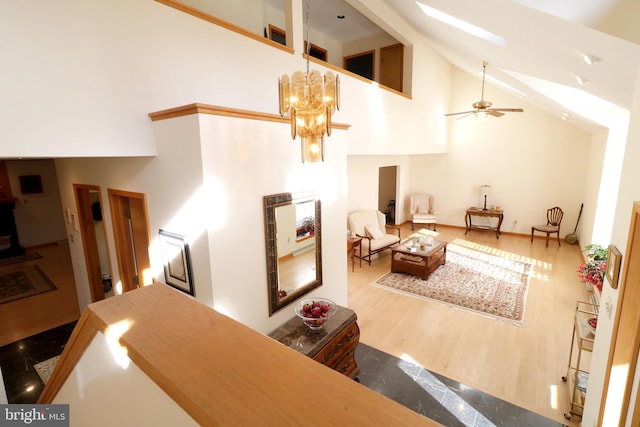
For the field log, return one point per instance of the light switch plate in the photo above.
(608, 306)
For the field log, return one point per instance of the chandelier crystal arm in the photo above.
(309, 99)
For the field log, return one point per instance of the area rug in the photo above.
(45, 369)
(19, 258)
(22, 282)
(484, 284)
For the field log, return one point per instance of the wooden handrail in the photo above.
(222, 23)
(198, 108)
(221, 372)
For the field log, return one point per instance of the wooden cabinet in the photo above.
(333, 346)
(577, 376)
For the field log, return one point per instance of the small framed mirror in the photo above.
(293, 247)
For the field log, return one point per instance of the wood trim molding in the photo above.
(81, 337)
(212, 365)
(222, 23)
(355, 76)
(625, 338)
(216, 110)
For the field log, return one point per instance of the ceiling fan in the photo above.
(482, 107)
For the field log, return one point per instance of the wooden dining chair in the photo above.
(554, 218)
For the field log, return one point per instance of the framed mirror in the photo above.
(293, 247)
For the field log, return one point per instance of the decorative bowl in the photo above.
(315, 312)
(592, 324)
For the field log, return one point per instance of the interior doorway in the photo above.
(387, 184)
(392, 67)
(94, 242)
(131, 236)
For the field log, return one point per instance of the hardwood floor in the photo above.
(522, 365)
(29, 316)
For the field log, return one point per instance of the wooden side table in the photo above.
(333, 346)
(353, 244)
(489, 213)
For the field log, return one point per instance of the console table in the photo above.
(489, 213)
(333, 346)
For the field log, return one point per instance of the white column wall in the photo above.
(247, 160)
(629, 192)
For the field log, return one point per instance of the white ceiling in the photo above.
(544, 40)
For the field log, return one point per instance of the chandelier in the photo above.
(309, 99)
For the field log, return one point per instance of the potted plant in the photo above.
(591, 273)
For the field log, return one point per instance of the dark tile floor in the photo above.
(448, 402)
(443, 400)
(21, 381)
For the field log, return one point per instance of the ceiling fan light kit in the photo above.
(483, 108)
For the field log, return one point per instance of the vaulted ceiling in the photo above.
(541, 55)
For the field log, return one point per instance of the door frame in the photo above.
(132, 244)
(385, 65)
(625, 339)
(81, 193)
(381, 181)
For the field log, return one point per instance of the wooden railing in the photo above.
(221, 372)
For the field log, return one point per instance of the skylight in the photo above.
(462, 25)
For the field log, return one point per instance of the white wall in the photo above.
(385, 123)
(207, 184)
(529, 170)
(532, 160)
(171, 182)
(248, 160)
(363, 181)
(629, 192)
(236, 12)
(91, 97)
(592, 189)
(39, 217)
(106, 389)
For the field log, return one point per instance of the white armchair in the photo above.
(421, 210)
(376, 234)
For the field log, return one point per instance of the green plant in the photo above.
(596, 252)
(593, 270)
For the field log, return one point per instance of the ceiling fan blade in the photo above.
(462, 112)
(495, 113)
(470, 113)
(508, 110)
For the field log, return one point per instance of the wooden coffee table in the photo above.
(421, 262)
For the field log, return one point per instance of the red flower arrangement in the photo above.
(592, 272)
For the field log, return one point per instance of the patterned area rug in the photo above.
(45, 369)
(22, 282)
(481, 283)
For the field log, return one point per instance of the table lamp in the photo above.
(485, 189)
